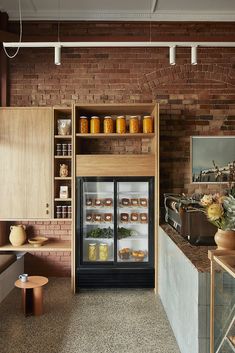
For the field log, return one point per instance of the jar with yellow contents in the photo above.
(121, 125)
(134, 124)
(108, 125)
(95, 125)
(83, 125)
(92, 252)
(147, 124)
(103, 252)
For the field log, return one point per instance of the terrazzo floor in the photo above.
(99, 321)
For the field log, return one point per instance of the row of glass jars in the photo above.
(103, 252)
(121, 126)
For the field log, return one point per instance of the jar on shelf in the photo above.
(103, 252)
(95, 125)
(83, 125)
(134, 124)
(147, 124)
(92, 252)
(108, 125)
(121, 125)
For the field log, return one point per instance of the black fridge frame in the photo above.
(79, 263)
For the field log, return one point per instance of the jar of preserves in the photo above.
(147, 124)
(83, 125)
(108, 125)
(103, 252)
(92, 252)
(121, 125)
(134, 124)
(95, 125)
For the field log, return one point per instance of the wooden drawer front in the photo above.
(115, 165)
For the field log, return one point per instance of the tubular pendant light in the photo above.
(58, 55)
(194, 55)
(172, 55)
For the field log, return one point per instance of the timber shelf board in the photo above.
(63, 200)
(115, 135)
(53, 245)
(61, 178)
(63, 137)
(62, 157)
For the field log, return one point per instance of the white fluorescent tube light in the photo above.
(114, 44)
(58, 55)
(194, 55)
(172, 55)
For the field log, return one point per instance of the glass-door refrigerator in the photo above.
(115, 232)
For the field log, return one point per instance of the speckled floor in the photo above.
(103, 321)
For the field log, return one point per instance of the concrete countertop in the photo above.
(198, 255)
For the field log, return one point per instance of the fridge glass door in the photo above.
(98, 221)
(132, 221)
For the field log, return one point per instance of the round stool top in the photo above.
(33, 282)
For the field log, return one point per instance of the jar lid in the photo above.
(133, 117)
(121, 117)
(107, 117)
(95, 117)
(147, 116)
(92, 244)
(103, 244)
(83, 117)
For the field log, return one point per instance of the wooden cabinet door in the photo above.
(25, 157)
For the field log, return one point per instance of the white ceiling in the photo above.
(129, 10)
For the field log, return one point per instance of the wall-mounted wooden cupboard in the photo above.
(25, 155)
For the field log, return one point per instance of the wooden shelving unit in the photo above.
(104, 163)
(59, 159)
(49, 246)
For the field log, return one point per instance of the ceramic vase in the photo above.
(17, 235)
(225, 239)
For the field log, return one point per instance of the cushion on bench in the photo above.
(6, 260)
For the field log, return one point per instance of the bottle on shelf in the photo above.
(108, 125)
(134, 124)
(121, 125)
(95, 125)
(147, 124)
(83, 125)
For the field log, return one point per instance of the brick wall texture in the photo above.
(48, 263)
(194, 100)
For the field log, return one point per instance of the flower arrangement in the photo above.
(220, 210)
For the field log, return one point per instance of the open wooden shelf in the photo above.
(63, 178)
(48, 246)
(58, 199)
(62, 157)
(115, 135)
(63, 136)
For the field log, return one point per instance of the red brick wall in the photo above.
(48, 263)
(194, 100)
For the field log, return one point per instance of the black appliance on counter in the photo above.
(186, 216)
(114, 232)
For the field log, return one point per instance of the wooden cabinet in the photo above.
(25, 155)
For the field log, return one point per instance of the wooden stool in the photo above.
(32, 295)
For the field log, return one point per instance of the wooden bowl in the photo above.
(37, 241)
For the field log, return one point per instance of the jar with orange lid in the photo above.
(83, 125)
(134, 124)
(108, 125)
(95, 125)
(121, 125)
(147, 124)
